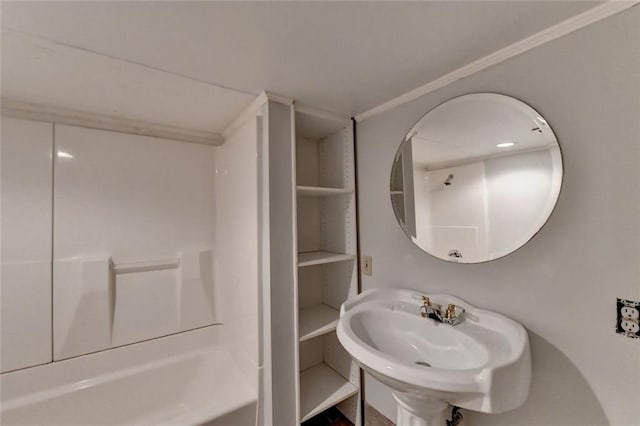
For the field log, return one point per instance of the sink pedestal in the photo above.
(414, 411)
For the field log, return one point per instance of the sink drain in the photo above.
(423, 363)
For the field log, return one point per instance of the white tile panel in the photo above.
(129, 201)
(25, 286)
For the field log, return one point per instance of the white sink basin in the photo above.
(481, 364)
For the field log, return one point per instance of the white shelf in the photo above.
(321, 388)
(322, 257)
(320, 191)
(317, 320)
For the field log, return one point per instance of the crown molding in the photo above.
(38, 112)
(561, 29)
(278, 98)
(253, 110)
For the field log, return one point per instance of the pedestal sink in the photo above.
(481, 364)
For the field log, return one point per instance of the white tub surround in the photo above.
(187, 378)
(26, 243)
(134, 227)
(155, 321)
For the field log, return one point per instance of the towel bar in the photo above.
(152, 265)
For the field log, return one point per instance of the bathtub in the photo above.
(186, 379)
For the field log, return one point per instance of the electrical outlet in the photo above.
(628, 315)
(367, 265)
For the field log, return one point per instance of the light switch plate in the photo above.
(367, 265)
(628, 317)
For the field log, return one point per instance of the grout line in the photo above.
(139, 341)
(57, 361)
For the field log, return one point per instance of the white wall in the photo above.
(562, 285)
(520, 196)
(491, 207)
(452, 217)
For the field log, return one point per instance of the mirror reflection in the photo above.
(476, 178)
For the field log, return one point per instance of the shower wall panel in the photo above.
(134, 221)
(25, 284)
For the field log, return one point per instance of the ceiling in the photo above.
(197, 64)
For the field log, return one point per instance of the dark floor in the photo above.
(330, 417)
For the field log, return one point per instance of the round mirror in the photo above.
(476, 178)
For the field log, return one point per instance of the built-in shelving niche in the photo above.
(321, 291)
(327, 274)
(328, 377)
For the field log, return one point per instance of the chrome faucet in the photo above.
(453, 315)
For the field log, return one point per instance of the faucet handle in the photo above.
(426, 300)
(454, 314)
(451, 311)
(425, 309)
